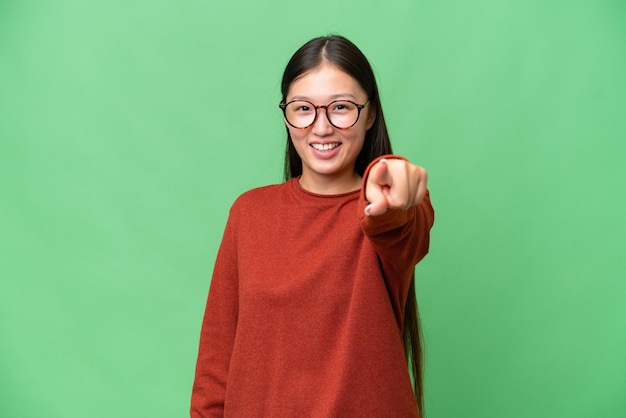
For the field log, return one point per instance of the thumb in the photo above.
(378, 207)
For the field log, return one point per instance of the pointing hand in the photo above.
(394, 184)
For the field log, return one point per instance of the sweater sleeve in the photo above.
(218, 332)
(400, 238)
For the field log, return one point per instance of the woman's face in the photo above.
(329, 154)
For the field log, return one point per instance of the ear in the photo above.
(371, 116)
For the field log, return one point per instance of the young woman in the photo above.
(311, 310)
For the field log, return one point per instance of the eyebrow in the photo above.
(332, 98)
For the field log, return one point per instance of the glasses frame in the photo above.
(359, 107)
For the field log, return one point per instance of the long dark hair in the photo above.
(343, 54)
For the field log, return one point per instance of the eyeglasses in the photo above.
(342, 114)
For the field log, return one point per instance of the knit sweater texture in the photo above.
(305, 308)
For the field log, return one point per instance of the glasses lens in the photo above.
(343, 114)
(300, 113)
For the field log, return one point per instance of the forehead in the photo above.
(325, 82)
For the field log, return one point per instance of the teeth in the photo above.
(325, 147)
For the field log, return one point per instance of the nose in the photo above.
(321, 124)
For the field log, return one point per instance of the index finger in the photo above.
(379, 174)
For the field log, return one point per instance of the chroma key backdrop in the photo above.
(128, 128)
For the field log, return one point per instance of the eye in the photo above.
(342, 107)
(300, 107)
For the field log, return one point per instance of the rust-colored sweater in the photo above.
(304, 314)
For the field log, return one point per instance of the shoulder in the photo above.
(258, 197)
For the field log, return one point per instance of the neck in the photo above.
(321, 184)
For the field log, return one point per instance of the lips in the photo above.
(326, 147)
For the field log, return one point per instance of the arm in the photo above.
(217, 334)
(396, 216)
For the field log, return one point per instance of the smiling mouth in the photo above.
(326, 147)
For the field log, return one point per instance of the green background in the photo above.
(127, 129)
